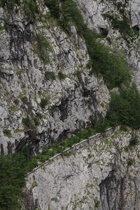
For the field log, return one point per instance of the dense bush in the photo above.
(44, 102)
(7, 133)
(134, 140)
(122, 25)
(27, 122)
(49, 75)
(42, 46)
(30, 7)
(61, 75)
(13, 168)
(12, 173)
(125, 107)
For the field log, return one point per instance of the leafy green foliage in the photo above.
(30, 7)
(13, 168)
(9, 3)
(7, 132)
(103, 60)
(44, 102)
(36, 121)
(12, 173)
(122, 25)
(133, 141)
(49, 75)
(42, 46)
(124, 108)
(130, 161)
(61, 75)
(27, 122)
(16, 101)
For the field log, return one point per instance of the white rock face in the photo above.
(72, 101)
(102, 173)
(93, 13)
(30, 50)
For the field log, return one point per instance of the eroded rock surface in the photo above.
(101, 173)
(47, 91)
(41, 64)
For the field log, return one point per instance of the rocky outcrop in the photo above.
(95, 13)
(100, 173)
(47, 92)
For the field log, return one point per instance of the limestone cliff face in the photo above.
(100, 173)
(47, 91)
(95, 12)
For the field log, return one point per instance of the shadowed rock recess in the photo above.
(66, 66)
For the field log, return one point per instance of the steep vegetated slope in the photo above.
(65, 66)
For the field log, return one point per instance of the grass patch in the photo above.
(111, 64)
(42, 46)
(44, 102)
(27, 122)
(130, 161)
(61, 75)
(49, 75)
(125, 108)
(134, 141)
(7, 133)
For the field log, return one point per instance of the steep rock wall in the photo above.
(40, 63)
(95, 13)
(47, 91)
(100, 173)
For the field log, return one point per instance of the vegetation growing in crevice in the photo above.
(13, 168)
(122, 24)
(44, 102)
(61, 75)
(27, 122)
(29, 7)
(134, 140)
(109, 63)
(42, 46)
(124, 106)
(7, 133)
(49, 75)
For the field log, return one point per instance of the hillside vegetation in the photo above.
(109, 63)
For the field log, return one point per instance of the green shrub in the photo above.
(44, 102)
(36, 121)
(49, 75)
(61, 75)
(16, 101)
(42, 46)
(39, 115)
(27, 122)
(124, 108)
(134, 140)
(103, 60)
(122, 25)
(130, 161)
(7, 133)
(24, 99)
